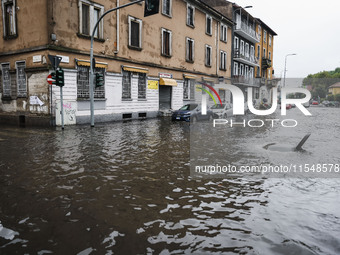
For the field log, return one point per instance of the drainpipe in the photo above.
(117, 30)
(217, 45)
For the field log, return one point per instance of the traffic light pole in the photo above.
(91, 57)
(61, 98)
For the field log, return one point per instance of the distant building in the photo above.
(334, 89)
(253, 51)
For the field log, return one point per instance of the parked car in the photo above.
(191, 111)
(326, 103)
(315, 102)
(306, 104)
(222, 111)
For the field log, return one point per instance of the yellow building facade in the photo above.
(264, 50)
(334, 89)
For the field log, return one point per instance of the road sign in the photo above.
(55, 61)
(49, 79)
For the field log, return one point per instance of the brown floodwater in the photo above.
(125, 188)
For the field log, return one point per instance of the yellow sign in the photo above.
(152, 84)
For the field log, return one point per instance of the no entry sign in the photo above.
(49, 79)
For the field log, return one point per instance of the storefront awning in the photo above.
(135, 69)
(167, 82)
(189, 76)
(208, 79)
(81, 62)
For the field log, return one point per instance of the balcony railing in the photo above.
(248, 57)
(242, 80)
(266, 63)
(244, 27)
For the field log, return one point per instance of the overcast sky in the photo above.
(309, 28)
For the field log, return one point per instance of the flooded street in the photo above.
(125, 188)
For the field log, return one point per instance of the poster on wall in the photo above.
(152, 84)
(70, 110)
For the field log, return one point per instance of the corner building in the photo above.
(150, 64)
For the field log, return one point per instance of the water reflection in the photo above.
(125, 188)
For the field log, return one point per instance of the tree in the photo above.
(330, 98)
(321, 81)
(337, 97)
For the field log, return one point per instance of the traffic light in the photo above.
(60, 77)
(99, 80)
(54, 78)
(151, 7)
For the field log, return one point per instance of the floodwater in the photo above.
(125, 188)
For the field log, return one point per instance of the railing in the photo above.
(240, 79)
(266, 63)
(250, 58)
(248, 30)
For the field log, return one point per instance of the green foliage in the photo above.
(330, 98)
(321, 81)
(337, 97)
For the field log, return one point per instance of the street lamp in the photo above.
(233, 39)
(284, 77)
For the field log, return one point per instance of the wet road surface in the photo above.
(125, 188)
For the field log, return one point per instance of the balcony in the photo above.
(247, 32)
(247, 59)
(266, 63)
(245, 81)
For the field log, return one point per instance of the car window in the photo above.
(188, 107)
(217, 106)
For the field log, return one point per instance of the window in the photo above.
(190, 15)
(264, 53)
(257, 93)
(6, 81)
(142, 85)
(236, 42)
(258, 51)
(208, 22)
(235, 68)
(242, 47)
(251, 72)
(89, 14)
(224, 32)
(223, 60)
(270, 40)
(83, 86)
(189, 89)
(190, 47)
(269, 55)
(247, 50)
(21, 79)
(166, 42)
(9, 18)
(126, 89)
(264, 35)
(166, 7)
(252, 53)
(241, 69)
(246, 72)
(208, 51)
(259, 31)
(135, 33)
(258, 74)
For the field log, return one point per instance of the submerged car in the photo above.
(191, 111)
(222, 111)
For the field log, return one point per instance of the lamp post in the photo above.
(284, 77)
(233, 38)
